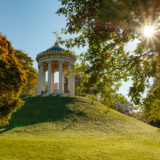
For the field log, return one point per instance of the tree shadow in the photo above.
(43, 109)
(155, 124)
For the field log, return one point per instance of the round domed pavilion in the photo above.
(55, 59)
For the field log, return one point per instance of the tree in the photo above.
(155, 83)
(123, 105)
(12, 80)
(32, 76)
(151, 104)
(106, 26)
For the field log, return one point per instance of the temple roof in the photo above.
(54, 51)
(54, 48)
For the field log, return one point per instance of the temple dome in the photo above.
(55, 51)
(54, 48)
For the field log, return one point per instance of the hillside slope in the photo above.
(54, 113)
(70, 128)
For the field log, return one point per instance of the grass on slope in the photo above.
(70, 128)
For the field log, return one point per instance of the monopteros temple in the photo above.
(55, 59)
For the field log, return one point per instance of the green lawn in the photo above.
(70, 128)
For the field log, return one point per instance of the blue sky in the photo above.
(29, 25)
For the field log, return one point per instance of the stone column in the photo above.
(40, 74)
(73, 83)
(63, 81)
(69, 79)
(52, 81)
(44, 81)
(49, 77)
(60, 75)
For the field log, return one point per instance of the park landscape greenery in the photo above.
(18, 79)
(106, 26)
(62, 127)
(31, 74)
(12, 79)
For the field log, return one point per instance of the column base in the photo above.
(58, 93)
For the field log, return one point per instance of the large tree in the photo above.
(12, 80)
(30, 87)
(151, 104)
(106, 26)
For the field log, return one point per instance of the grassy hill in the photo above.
(70, 128)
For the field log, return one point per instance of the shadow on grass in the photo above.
(43, 109)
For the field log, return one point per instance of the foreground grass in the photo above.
(70, 128)
(79, 147)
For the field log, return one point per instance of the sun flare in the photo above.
(148, 31)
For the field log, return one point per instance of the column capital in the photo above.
(49, 61)
(40, 64)
(69, 66)
(60, 61)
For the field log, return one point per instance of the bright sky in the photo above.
(29, 25)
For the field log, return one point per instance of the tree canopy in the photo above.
(12, 80)
(106, 26)
(30, 87)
